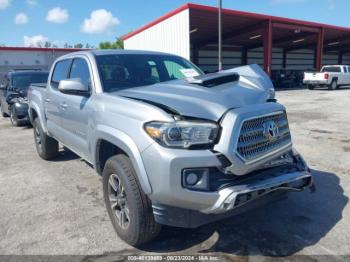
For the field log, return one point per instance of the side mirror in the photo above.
(73, 86)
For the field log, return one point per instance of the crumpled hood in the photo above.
(253, 87)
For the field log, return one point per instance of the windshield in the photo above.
(22, 81)
(127, 71)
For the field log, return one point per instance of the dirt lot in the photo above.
(57, 207)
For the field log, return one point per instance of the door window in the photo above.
(80, 70)
(60, 72)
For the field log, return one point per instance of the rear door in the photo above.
(78, 110)
(54, 99)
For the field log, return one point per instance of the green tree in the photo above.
(118, 44)
(80, 45)
(105, 45)
(47, 44)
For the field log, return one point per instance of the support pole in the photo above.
(195, 55)
(268, 47)
(220, 36)
(319, 49)
(340, 58)
(244, 56)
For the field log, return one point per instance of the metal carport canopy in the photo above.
(250, 30)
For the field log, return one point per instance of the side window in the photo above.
(80, 70)
(60, 72)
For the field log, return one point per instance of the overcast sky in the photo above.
(25, 22)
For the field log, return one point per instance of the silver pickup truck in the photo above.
(174, 146)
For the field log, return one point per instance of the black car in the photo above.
(13, 94)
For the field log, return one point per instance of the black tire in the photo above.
(13, 117)
(333, 85)
(47, 147)
(129, 201)
(2, 113)
(310, 87)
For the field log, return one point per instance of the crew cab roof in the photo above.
(113, 52)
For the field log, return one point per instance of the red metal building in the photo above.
(273, 42)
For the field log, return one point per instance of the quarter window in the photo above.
(80, 70)
(60, 72)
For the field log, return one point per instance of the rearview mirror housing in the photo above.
(73, 86)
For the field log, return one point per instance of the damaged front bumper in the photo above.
(293, 175)
(252, 189)
(264, 188)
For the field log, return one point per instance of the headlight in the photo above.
(182, 134)
(271, 94)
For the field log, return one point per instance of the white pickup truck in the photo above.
(331, 76)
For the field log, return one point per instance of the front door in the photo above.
(77, 110)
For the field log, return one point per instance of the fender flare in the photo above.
(125, 143)
(36, 108)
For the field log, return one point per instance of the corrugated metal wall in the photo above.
(11, 60)
(346, 59)
(171, 36)
(302, 59)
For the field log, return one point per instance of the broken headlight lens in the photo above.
(182, 134)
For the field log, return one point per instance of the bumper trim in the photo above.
(239, 195)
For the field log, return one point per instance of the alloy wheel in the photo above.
(118, 201)
(37, 136)
(13, 119)
(334, 85)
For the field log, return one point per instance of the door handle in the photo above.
(64, 105)
(47, 100)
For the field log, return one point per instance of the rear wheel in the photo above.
(333, 85)
(310, 87)
(47, 147)
(129, 209)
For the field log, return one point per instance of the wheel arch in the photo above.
(109, 142)
(34, 112)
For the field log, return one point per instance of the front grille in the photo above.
(253, 142)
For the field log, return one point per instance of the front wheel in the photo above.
(129, 209)
(46, 146)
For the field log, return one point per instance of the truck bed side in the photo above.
(36, 102)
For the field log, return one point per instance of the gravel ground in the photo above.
(56, 207)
